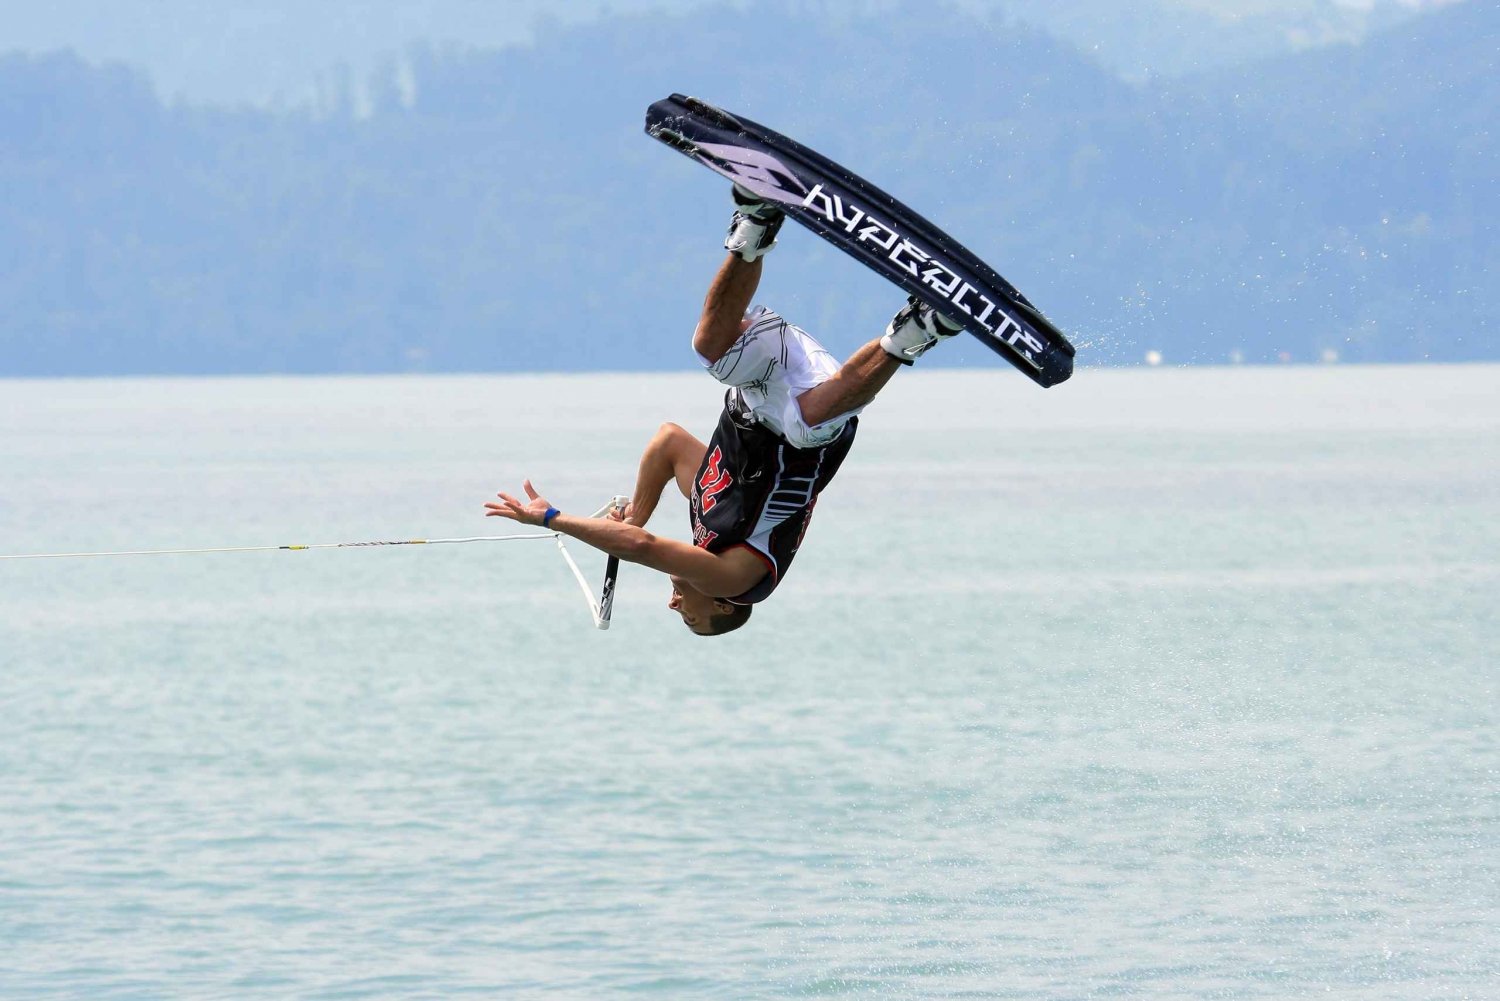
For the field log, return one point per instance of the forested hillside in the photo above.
(503, 210)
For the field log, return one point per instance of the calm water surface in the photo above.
(1160, 684)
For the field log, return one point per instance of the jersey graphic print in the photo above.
(755, 490)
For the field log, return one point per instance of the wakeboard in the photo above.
(869, 225)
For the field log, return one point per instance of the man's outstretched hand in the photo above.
(530, 513)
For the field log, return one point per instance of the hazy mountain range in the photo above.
(286, 52)
(501, 210)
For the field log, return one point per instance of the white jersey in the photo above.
(771, 364)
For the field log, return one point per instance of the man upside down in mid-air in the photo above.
(790, 416)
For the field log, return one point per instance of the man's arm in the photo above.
(728, 573)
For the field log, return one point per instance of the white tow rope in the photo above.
(599, 608)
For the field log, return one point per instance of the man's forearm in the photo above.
(617, 538)
(637, 545)
(706, 571)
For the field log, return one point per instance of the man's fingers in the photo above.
(510, 507)
(507, 507)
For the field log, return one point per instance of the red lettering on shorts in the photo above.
(714, 481)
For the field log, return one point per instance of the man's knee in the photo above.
(815, 427)
(677, 443)
(712, 340)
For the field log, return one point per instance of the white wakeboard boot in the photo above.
(915, 329)
(752, 231)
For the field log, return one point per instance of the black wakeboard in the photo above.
(870, 226)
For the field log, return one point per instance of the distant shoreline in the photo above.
(1083, 371)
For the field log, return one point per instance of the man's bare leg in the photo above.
(855, 384)
(673, 454)
(912, 331)
(724, 307)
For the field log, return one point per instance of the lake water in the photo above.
(1160, 684)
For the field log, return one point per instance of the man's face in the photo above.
(695, 607)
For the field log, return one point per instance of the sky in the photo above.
(283, 52)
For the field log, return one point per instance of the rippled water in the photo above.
(1168, 684)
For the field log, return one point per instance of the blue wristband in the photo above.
(552, 512)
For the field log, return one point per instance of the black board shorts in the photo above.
(755, 489)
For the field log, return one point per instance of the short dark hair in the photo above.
(728, 622)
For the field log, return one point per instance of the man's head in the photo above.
(704, 614)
